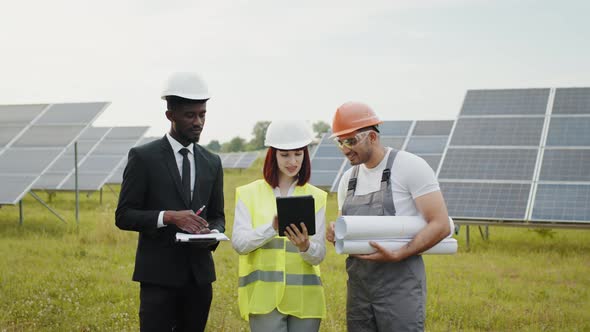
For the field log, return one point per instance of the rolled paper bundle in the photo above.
(447, 246)
(380, 227)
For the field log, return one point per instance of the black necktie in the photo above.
(186, 173)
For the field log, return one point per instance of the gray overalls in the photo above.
(382, 296)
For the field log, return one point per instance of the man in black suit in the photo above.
(164, 182)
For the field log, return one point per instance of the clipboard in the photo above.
(294, 210)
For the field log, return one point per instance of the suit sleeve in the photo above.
(131, 214)
(215, 213)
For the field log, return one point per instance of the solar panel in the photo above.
(427, 144)
(572, 101)
(247, 160)
(489, 164)
(64, 165)
(49, 136)
(566, 165)
(520, 155)
(101, 162)
(395, 128)
(504, 201)
(499, 132)
(562, 202)
(117, 176)
(239, 160)
(570, 131)
(433, 128)
(8, 133)
(44, 138)
(19, 114)
(505, 102)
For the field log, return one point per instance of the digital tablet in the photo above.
(294, 210)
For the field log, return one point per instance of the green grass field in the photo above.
(58, 277)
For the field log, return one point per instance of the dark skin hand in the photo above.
(187, 220)
(300, 239)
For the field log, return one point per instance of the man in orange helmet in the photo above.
(386, 289)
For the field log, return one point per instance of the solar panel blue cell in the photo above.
(569, 132)
(48, 136)
(118, 147)
(126, 133)
(562, 202)
(433, 128)
(565, 165)
(427, 144)
(19, 114)
(100, 164)
(326, 164)
(489, 164)
(393, 142)
(27, 161)
(572, 101)
(86, 182)
(14, 187)
(395, 128)
(328, 151)
(8, 133)
(503, 201)
(499, 102)
(322, 178)
(75, 113)
(494, 131)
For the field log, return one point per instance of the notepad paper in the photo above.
(183, 237)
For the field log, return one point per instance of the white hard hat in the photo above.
(287, 135)
(186, 85)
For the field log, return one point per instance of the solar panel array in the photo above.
(238, 160)
(100, 151)
(117, 176)
(426, 139)
(32, 137)
(520, 155)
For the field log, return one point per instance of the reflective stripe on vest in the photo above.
(277, 276)
(274, 276)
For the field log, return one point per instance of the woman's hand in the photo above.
(275, 223)
(299, 239)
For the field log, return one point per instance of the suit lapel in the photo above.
(200, 171)
(170, 161)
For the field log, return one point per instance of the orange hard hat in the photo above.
(353, 116)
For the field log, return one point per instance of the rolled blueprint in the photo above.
(380, 227)
(445, 247)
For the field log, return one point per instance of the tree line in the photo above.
(238, 143)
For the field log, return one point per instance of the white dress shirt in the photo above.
(176, 147)
(245, 238)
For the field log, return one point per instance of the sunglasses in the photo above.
(352, 141)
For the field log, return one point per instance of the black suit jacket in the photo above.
(151, 183)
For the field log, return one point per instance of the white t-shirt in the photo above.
(411, 177)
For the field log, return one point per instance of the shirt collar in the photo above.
(176, 146)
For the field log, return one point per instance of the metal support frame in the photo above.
(486, 223)
(76, 183)
(45, 205)
(20, 212)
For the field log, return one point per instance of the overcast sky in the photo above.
(271, 59)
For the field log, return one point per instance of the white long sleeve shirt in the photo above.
(245, 238)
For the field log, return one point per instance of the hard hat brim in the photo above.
(188, 96)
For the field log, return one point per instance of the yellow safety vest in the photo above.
(275, 275)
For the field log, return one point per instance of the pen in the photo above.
(200, 210)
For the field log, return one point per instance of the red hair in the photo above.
(271, 168)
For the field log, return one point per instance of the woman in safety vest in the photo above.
(279, 286)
